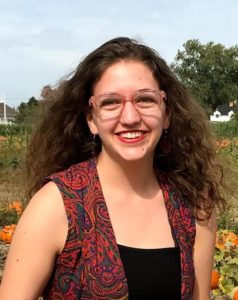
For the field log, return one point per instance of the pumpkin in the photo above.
(215, 279)
(235, 295)
(17, 206)
(7, 232)
(226, 236)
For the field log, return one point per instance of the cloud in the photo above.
(40, 41)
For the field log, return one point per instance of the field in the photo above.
(12, 181)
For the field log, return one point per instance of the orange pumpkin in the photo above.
(214, 279)
(6, 236)
(235, 296)
(232, 237)
(226, 236)
(6, 233)
(17, 206)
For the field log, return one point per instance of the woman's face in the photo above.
(130, 135)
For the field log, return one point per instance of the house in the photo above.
(9, 116)
(224, 112)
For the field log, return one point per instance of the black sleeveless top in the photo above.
(152, 273)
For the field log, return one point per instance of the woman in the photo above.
(129, 210)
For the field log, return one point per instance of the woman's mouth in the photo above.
(131, 136)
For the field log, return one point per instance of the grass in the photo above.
(11, 189)
(229, 218)
(11, 185)
(12, 178)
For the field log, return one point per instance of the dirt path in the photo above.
(3, 254)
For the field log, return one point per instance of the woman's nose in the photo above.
(129, 114)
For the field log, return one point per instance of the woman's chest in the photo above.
(141, 223)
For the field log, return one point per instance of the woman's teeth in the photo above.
(131, 135)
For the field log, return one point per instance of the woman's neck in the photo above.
(130, 176)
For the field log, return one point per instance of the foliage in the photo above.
(226, 263)
(210, 71)
(12, 150)
(227, 147)
(11, 213)
(225, 129)
(12, 130)
(27, 112)
(227, 220)
(235, 118)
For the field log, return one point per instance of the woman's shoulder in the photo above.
(78, 174)
(45, 211)
(77, 169)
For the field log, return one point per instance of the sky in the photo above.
(42, 41)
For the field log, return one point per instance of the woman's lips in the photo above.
(131, 136)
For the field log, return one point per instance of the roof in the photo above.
(9, 111)
(224, 109)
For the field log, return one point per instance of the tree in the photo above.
(47, 93)
(235, 117)
(27, 111)
(210, 71)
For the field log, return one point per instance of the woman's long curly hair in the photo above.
(63, 136)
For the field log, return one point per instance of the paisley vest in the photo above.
(90, 267)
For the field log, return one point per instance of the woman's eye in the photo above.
(145, 100)
(109, 102)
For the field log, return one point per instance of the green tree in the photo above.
(235, 118)
(210, 71)
(27, 112)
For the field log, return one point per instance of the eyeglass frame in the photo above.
(128, 98)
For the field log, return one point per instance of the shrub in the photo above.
(225, 129)
(226, 263)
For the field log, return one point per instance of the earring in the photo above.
(94, 145)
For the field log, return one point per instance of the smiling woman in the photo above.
(131, 121)
(123, 166)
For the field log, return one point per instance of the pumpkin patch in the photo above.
(12, 212)
(17, 206)
(6, 233)
(225, 274)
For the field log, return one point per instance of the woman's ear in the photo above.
(91, 123)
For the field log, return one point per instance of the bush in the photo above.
(225, 129)
(12, 150)
(12, 130)
(226, 263)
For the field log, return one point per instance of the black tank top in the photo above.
(152, 273)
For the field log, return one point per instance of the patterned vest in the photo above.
(89, 266)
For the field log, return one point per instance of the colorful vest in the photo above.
(89, 266)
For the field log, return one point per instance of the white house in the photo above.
(224, 112)
(10, 116)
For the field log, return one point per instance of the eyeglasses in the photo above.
(111, 105)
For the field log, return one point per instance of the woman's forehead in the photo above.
(126, 75)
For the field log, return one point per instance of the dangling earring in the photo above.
(94, 145)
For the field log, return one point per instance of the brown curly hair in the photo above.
(63, 137)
